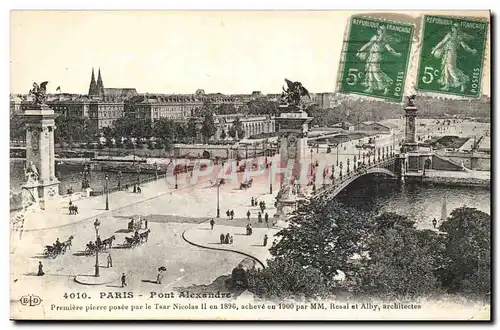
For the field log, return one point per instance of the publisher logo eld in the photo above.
(30, 300)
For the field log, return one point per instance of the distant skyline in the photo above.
(178, 52)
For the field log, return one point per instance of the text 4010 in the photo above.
(75, 295)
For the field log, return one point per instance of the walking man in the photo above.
(212, 223)
(260, 217)
(248, 215)
(434, 223)
(265, 240)
(232, 214)
(124, 280)
(228, 214)
(110, 261)
(145, 223)
(266, 218)
(221, 237)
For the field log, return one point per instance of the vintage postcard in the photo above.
(250, 165)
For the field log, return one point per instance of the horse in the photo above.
(108, 242)
(67, 244)
(144, 236)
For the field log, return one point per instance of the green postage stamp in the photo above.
(452, 55)
(376, 58)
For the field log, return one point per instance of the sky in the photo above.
(179, 52)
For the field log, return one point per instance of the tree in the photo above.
(226, 109)
(208, 127)
(17, 127)
(192, 129)
(402, 261)
(232, 131)
(238, 126)
(468, 248)
(262, 106)
(223, 134)
(324, 235)
(287, 278)
(180, 131)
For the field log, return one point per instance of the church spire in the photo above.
(100, 85)
(93, 86)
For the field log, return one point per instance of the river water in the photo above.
(419, 202)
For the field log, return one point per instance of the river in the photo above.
(419, 202)
(71, 178)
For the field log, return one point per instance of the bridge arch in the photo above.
(331, 193)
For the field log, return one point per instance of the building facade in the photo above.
(252, 125)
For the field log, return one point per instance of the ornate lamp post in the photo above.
(119, 180)
(378, 154)
(107, 192)
(85, 182)
(317, 148)
(333, 174)
(348, 169)
(246, 152)
(354, 166)
(363, 158)
(312, 169)
(218, 208)
(369, 160)
(138, 179)
(337, 147)
(176, 186)
(96, 226)
(340, 175)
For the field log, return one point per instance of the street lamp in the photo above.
(176, 186)
(107, 192)
(246, 152)
(337, 147)
(119, 180)
(312, 170)
(218, 208)
(96, 226)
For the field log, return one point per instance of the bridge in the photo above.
(385, 161)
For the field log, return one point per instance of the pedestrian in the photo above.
(212, 223)
(248, 215)
(434, 223)
(124, 280)
(266, 219)
(221, 237)
(252, 200)
(232, 214)
(159, 277)
(145, 223)
(231, 239)
(259, 217)
(250, 230)
(226, 239)
(228, 214)
(135, 189)
(110, 261)
(40, 269)
(265, 240)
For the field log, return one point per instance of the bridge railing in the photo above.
(358, 171)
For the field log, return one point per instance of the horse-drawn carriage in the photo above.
(137, 239)
(135, 223)
(52, 251)
(246, 184)
(101, 246)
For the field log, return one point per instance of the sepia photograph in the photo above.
(250, 165)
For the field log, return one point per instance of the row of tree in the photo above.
(391, 257)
